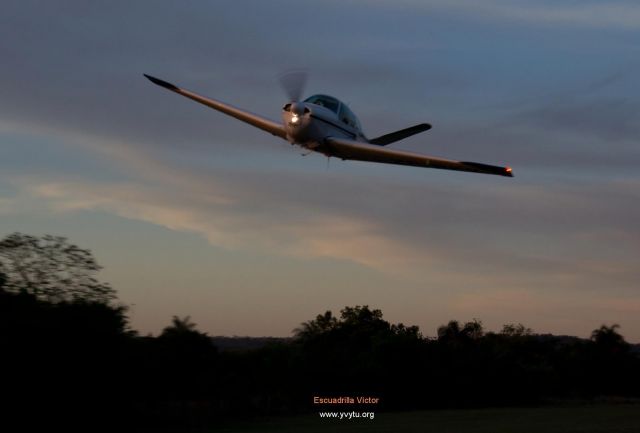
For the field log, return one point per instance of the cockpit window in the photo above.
(343, 112)
(348, 117)
(324, 101)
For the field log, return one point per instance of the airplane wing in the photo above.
(250, 118)
(358, 151)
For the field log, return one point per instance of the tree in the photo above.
(185, 357)
(450, 331)
(179, 327)
(183, 334)
(513, 330)
(360, 318)
(321, 324)
(474, 329)
(51, 269)
(406, 331)
(607, 337)
(360, 315)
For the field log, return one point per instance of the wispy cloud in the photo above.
(536, 236)
(325, 235)
(623, 15)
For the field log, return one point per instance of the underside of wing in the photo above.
(245, 116)
(357, 151)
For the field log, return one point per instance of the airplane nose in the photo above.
(297, 108)
(296, 122)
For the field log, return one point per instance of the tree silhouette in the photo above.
(515, 330)
(450, 332)
(474, 329)
(359, 319)
(321, 324)
(360, 315)
(406, 331)
(179, 327)
(185, 340)
(608, 338)
(51, 269)
(607, 335)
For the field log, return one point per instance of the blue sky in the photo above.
(194, 213)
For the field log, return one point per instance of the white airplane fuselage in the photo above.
(312, 124)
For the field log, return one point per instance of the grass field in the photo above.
(596, 418)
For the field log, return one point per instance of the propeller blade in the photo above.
(293, 83)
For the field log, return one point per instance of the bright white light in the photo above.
(294, 118)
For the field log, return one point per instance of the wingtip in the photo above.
(160, 82)
(488, 169)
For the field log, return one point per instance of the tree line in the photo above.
(69, 356)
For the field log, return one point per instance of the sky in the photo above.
(193, 213)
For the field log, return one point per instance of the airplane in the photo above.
(324, 124)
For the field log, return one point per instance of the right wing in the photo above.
(358, 151)
(245, 116)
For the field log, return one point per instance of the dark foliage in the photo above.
(76, 362)
(61, 361)
(51, 269)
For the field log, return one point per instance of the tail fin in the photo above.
(383, 140)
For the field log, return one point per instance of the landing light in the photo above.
(295, 118)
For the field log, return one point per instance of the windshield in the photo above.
(343, 112)
(324, 101)
(348, 117)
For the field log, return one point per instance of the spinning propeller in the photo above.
(293, 83)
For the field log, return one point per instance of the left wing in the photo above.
(358, 151)
(247, 117)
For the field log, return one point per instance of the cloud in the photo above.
(519, 234)
(6, 205)
(606, 119)
(622, 15)
(328, 234)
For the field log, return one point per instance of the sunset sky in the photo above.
(194, 213)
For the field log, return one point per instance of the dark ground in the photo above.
(582, 418)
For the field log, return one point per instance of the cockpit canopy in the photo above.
(341, 109)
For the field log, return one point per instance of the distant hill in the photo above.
(569, 339)
(235, 343)
(227, 344)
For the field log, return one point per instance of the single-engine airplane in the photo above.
(323, 124)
